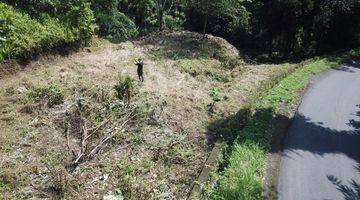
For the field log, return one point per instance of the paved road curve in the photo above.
(321, 159)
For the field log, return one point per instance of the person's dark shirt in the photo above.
(140, 66)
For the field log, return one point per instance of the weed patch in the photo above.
(52, 94)
(124, 88)
(7, 148)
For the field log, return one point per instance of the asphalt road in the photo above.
(321, 157)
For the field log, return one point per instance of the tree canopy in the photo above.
(278, 28)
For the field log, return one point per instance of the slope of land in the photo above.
(157, 144)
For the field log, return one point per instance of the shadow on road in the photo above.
(350, 191)
(320, 140)
(347, 67)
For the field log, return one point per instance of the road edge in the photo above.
(282, 125)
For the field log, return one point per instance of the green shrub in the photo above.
(80, 18)
(174, 22)
(353, 54)
(215, 94)
(53, 94)
(22, 36)
(76, 14)
(116, 27)
(124, 86)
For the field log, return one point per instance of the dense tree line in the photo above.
(279, 28)
(287, 27)
(282, 28)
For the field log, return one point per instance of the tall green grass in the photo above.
(244, 175)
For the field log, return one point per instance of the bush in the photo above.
(53, 94)
(174, 22)
(124, 88)
(116, 26)
(23, 36)
(80, 18)
(76, 14)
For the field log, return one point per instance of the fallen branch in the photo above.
(68, 140)
(83, 146)
(111, 135)
(82, 155)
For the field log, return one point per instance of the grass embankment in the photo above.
(244, 176)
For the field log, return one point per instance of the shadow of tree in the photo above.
(318, 139)
(350, 191)
(348, 66)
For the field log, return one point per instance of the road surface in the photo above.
(321, 157)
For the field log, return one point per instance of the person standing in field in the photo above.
(140, 69)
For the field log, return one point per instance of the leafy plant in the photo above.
(124, 88)
(215, 94)
(7, 148)
(116, 26)
(53, 94)
(174, 22)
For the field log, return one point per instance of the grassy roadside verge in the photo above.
(243, 178)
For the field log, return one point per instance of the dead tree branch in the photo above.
(85, 152)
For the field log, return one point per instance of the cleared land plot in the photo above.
(59, 107)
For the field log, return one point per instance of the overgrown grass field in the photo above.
(62, 132)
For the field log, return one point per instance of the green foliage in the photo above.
(53, 94)
(145, 15)
(307, 27)
(23, 36)
(113, 24)
(215, 94)
(117, 27)
(354, 54)
(175, 21)
(76, 14)
(124, 86)
(80, 18)
(218, 7)
(282, 29)
(234, 10)
(7, 148)
(243, 181)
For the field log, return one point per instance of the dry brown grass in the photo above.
(159, 153)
